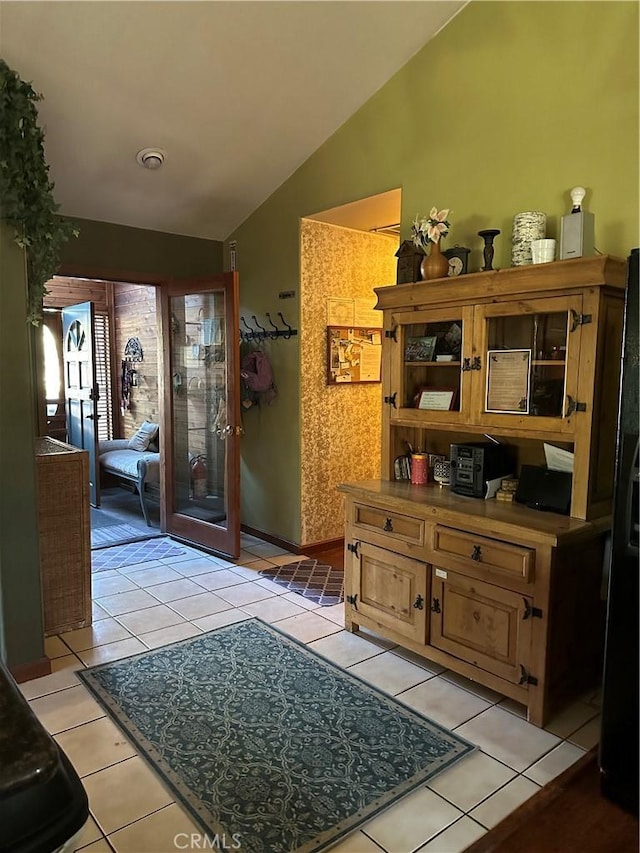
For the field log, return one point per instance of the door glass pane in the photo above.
(545, 335)
(432, 365)
(199, 381)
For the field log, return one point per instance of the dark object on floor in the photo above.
(566, 816)
(137, 552)
(42, 800)
(311, 579)
(256, 734)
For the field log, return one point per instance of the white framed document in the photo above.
(508, 379)
(436, 399)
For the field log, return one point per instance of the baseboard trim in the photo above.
(327, 545)
(309, 548)
(34, 669)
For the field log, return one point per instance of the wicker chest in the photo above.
(62, 473)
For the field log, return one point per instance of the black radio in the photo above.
(472, 465)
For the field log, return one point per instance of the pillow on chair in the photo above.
(146, 433)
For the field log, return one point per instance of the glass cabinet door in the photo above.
(529, 362)
(426, 368)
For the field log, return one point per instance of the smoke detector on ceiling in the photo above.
(150, 158)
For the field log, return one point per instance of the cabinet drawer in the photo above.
(466, 550)
(394, 525)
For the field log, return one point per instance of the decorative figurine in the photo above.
(487, 235)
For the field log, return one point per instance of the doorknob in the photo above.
(93, 417)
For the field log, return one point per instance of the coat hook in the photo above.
(287, 334)
(250, 333)
(262, 332)
(272, 335)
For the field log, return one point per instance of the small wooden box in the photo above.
(62, 473)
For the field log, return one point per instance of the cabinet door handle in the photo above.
(435, 605)
(466, 365)
(476, 554)
(477, 363)
(419, 603)
(388, 525)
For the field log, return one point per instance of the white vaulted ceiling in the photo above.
(238, 94)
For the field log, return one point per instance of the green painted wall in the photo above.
(505, 110)
(102, 246)
(21, 632)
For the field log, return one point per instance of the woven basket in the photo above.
(65, 535)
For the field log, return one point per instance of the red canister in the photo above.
(419, 469)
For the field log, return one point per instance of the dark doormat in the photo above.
(316, 581)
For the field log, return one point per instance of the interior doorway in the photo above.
(346, 252)
(123, 311)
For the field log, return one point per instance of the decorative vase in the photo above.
(435, 264)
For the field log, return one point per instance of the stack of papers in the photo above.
(558, 459)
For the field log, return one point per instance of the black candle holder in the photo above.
(487, 235)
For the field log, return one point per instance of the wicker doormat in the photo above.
(316, 581)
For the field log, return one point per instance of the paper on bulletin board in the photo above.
(370, 362)
(353, 312)
(365, 314)
(340, 312)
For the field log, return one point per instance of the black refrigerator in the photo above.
(619, 734)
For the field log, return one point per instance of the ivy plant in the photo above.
(26, 193)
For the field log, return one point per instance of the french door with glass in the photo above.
(200, 405)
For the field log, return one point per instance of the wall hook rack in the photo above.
(260, 333)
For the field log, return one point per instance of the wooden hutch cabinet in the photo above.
(504, 594)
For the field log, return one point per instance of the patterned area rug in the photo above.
(264, 741)
(317, 581)
(136, 552)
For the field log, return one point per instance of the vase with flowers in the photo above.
(426, 233)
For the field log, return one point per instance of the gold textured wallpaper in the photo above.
(340, 424)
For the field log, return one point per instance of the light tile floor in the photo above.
(139, 607)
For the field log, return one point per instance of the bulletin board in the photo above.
(353, 355)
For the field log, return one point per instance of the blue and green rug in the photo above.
(265, 741)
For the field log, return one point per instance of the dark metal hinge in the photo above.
(353, 547)
(579, 320)
(574, 406)
(392, 399)
(526, 678)
(391, 333)
(530, 611)
(353, 600)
